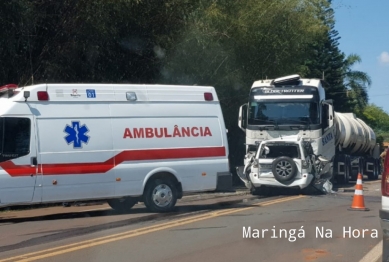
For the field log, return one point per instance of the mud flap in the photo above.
(224, 182)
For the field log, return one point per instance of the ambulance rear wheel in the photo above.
(122, 204)
(160, 195)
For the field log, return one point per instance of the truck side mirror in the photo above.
(324, 116)
(242, 120)
(330, 115)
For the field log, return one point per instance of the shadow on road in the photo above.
(182, 211)
(183, 208)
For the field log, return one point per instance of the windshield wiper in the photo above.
(307, 122)
(274, 122)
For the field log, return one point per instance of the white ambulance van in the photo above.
(123, 143)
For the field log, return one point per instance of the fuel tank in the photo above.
(353, 135)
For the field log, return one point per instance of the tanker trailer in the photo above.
(356, 149)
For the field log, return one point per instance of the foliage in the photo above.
(356, 82)
(229, 45)
(223, 43)
(378, 120)
(376, 117)
(326, 62)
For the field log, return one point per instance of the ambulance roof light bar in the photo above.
(8, 90)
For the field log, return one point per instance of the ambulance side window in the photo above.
(15, 137)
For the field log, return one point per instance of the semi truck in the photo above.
(293, 106)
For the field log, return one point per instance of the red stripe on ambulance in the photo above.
(103, 167)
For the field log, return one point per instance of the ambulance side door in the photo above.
(77, 158)
(18, 159)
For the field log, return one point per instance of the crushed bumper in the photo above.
(266, 181)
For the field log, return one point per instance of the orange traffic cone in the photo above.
(358, 201)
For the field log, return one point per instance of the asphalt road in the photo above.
(206, 231)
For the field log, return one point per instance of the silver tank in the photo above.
(351, 133)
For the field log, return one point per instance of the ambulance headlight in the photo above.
(131, 96)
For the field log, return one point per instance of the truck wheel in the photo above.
(160, 195)
(373, 174)
(284, 169)
(343, 179)
(376, 169)
(122, 204)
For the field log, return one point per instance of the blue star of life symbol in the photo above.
(76, 134)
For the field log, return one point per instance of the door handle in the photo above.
(34, 161)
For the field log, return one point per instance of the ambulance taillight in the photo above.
(43, 96)
(208, 96)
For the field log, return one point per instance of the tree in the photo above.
(226, 44)
(327, 61)
(230, 44)
(376, 118)
(356, 82)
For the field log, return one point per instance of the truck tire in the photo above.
(284, 169)
(349, 169)
(372, 175)
(122, 204)
(375, 174)
(160, 195)
(345, 178)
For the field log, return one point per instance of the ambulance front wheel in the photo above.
(122, 204)
(160, 195)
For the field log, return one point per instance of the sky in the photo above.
(363, 26)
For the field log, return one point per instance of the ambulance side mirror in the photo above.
(242, 120)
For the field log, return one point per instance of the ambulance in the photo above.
(123, 143)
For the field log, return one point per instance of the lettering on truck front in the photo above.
(160, 132)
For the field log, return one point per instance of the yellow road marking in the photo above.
(137, 232)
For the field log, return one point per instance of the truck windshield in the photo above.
(296, 112)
